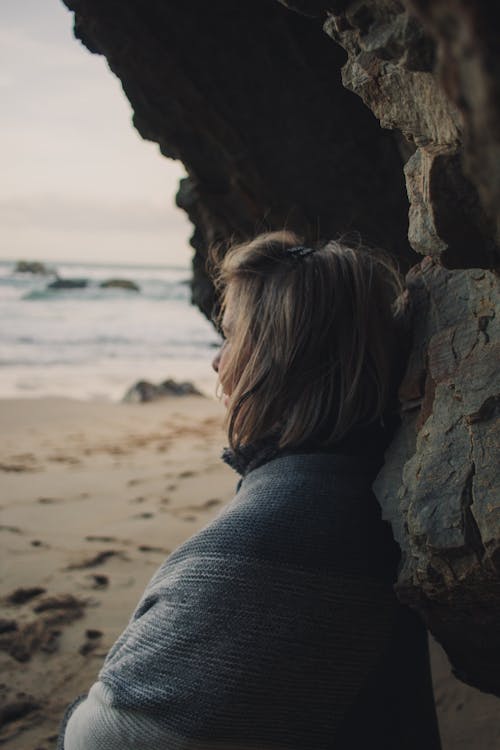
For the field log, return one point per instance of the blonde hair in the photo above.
(314, 338)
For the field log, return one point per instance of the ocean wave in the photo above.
(173, 291)
(66, 340)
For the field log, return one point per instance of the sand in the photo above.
(94, 496)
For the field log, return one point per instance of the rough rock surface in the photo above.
(468, 69)
(250, 97)
(440, 484)
(391, 62)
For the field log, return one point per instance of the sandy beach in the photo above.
(94, 496)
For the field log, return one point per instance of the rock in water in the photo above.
(120, 284)
(32, 266)
(68, 284)
(143, 391)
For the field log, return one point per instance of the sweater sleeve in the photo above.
(234, 652)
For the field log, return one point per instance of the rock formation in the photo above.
(60, 283)
(32, 266)
(144, 391)
(314, 115)
(130, 286)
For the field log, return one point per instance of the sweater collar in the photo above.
(368, 441)
(247, 457)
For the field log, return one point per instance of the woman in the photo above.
(276, 626)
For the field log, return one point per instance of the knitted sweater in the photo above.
(274, 628)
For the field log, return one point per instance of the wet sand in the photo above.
(94, 496)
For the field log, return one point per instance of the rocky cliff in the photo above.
(379, 116)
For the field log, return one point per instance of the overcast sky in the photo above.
(78, 182)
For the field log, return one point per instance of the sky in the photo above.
(78, 182)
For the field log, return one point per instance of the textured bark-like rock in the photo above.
(467, 36)
(249, 97)
(446, 218)
(391, 67)
(440, 484)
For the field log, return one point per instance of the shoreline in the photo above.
(94, 496)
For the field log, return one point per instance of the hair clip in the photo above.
(299, 251)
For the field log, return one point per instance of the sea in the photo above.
(95, 342)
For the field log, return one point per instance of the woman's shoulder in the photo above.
(312, 470)
(309, 511)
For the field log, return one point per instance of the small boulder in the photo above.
(144, 391)
(173, 388)
(120, 284)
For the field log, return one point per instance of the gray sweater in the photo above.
(274, 628)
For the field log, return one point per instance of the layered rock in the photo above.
(279, 123)
(468, 69)
(440, 485)
(391, 62)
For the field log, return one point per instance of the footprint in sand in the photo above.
(18, 709)
(171, 487)
(183, 514)
(99, 559)
(208, 504)
(149, 548)
(22, 595)
(116, 450)
(10, 529)
(133, 482)
(186, 474)
(48, 500)
(188, 512)
(60, 459)
(139, 499)
(202, 506)
(21, 640)
(104, 539)
(7, 626)
(146, 514)
(93, 639)
(17, 467)
(30, 457)
(97, 581)
(39, 543)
